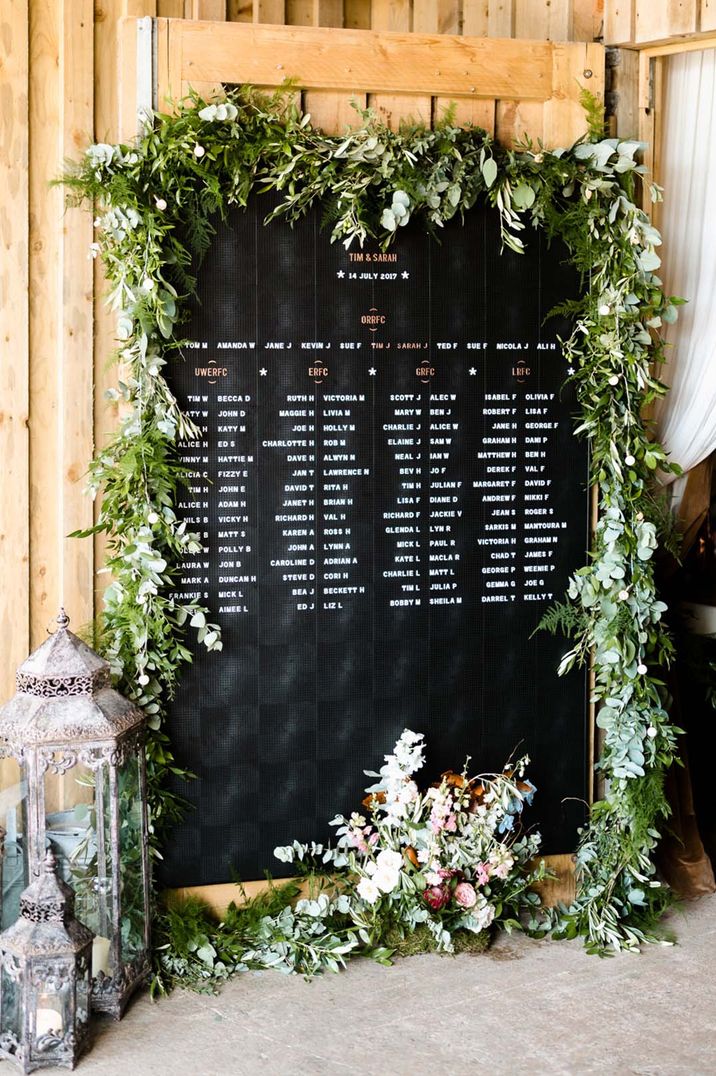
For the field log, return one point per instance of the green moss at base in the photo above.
(422, 941)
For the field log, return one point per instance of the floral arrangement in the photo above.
(431, 871)
(451, 858)
(155, 201)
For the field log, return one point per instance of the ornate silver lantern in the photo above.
(68, 727)
(45, 986)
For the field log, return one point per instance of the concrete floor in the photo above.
(524, 1007)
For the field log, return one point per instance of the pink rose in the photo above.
(436, 897)
(465, 895)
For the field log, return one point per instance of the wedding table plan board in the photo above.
(390, 495)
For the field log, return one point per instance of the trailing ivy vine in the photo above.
(157, 200)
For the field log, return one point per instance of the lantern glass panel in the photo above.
(80, 837)
(52, 1015)
(13, 870)
(11, 1011)
(82, 987)
(131, 859)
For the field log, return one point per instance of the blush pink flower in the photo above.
(436, 897)
(465, 895)
(483, 873)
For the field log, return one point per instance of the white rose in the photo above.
(368, 890)
(388, 861)
(385, 880)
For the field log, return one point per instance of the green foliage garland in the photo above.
(156, 200)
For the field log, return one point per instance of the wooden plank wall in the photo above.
(59, 90)
(637, 23)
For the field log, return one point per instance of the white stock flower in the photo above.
(368, 890)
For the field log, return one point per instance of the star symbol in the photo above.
(263, 371)
(372, 371)
(473, 371)
(405, 275)
(340, 274)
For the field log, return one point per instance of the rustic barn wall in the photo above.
(58, 91)
(637, 23)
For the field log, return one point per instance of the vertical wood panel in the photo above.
(437, 17)
(14, 343)
(563, 115)
(664, 18)
(708, 15)
(391, 15)
(543, 19)
(74, 360)
(357, 14)
(45, 231)
(271, 11)
(239, 10)
(488, 18)
(206, 9)
(516, 119)
(619, 22)
(327, 12)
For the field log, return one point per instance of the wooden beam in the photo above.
(75, 335)
(14, 345)
(381, 63)
(206, 9)
(549, 20)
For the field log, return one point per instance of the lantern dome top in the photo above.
(61, 658)
(64, 695)
(47, 924)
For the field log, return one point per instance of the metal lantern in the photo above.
(67, 726)
(45, 986)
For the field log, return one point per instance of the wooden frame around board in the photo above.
(509, 87)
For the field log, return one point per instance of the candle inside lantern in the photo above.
(100, 956)
(47, 1019)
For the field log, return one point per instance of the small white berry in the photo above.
(614, 380)
(152, 518)
(651, 732)
(623, 595)
(160, 204)
(199, 151)
(605, 309)
(629, 460)
(143, 679)
(641, 669)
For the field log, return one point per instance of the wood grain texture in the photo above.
(619, 22)
(239, 10)
(392, 15)
(75, 335)
(46, 206)
(206, 9)
(357, 14)
(659, 19)
(708, 15)
(14, 343)
(390, 63)
(269, 11)
(437, 17)
(549, 20)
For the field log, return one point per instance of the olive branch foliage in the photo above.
(157, 202)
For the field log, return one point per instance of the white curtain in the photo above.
(687, 417)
